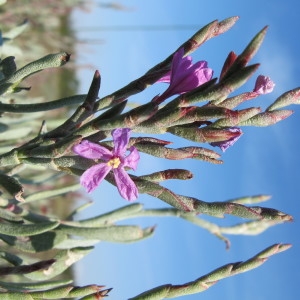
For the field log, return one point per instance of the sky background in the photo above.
(263, 161)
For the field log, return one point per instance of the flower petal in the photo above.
(224, 145)
(121, 139)
(185, 76)
(166, 78)
(91, 150)
(125, 185)
(93, 176)
(178, 62)
(132, 159)
(203, 73)
(182, 70)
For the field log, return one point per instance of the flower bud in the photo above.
(263, 85)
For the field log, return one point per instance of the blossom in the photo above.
(114, 160)
(184, 75)
(224, 145)
(263, 85)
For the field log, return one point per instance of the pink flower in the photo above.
(184, 75)
(114, 160)
(263, 85)
(224, 145)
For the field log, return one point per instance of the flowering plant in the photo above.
(203, 111)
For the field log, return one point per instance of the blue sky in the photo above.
(263, 161)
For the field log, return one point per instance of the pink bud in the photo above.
(263, 85)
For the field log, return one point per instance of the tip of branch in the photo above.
(66, 57)
(97, 74)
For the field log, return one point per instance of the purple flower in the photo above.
(237, 132)
(263, 85)
(184, 75)
(114, 160)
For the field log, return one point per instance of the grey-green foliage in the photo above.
(27, 230)
(7, 48)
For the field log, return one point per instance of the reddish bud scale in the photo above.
(200, 37)
(207, 112)
(202, 135)
(176, 174)
(177, 154)
(218, 135)
(228, 63)
(231, 114)
(165, 119)
(248, 53)
(202, 151)
(192, 45)
(236, 117)
(233, 102)
(225, 25)
(186, 110)
(148, 140)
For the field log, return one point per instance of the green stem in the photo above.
(36, 107)
(203, 283)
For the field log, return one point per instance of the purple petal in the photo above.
(132, 159)
(182, 70)
(125, 185)
(201, 64)
(178, 61)
(195, 77)
(203, 74)
(185, 76)
(166, 78)
(121, 139)
(93, 176)
(224, 145)
(91, 150)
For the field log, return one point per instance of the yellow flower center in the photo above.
(114, 162)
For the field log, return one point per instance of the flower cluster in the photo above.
(183, 77)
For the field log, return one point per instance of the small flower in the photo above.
(263, 85)
(184, 75)
(114, 160)
(228, 143)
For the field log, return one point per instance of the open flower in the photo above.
(263, 85)
(224, 145)
(114, 160)
(184, 75)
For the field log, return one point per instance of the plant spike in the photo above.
(203, 283)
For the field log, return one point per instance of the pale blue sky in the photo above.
(263, 161)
